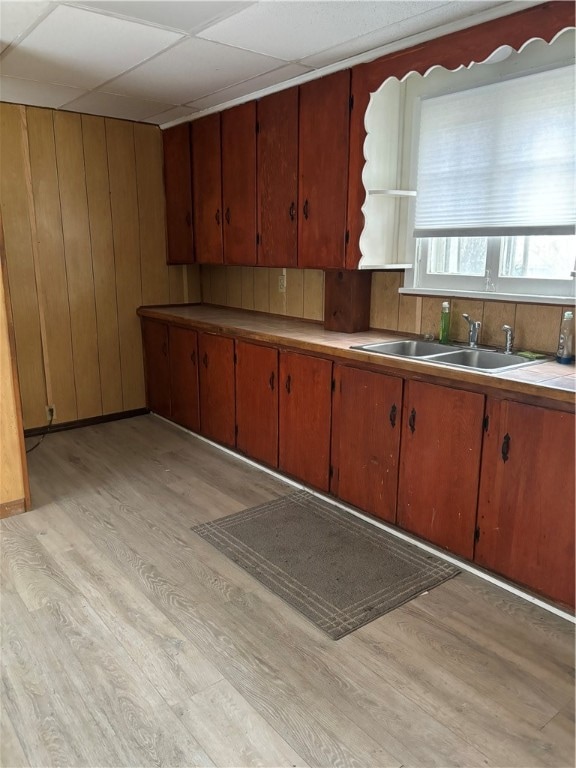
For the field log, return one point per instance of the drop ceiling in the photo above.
(163, 62)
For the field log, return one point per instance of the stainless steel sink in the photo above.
(480, 359)
(448, 354)
(405, 348)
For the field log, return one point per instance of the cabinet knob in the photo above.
(412, 420)
(292, 211)
(305, 209)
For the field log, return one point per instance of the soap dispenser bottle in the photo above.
(444, 322)
(565, 352)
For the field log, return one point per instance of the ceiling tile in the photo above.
(176, 113)
(185, 16)
(111, 105)
(80, 48)
(293, 30)
(192, 69)
(430, 17)
(16, 17)
(19, 91)
(251, 86)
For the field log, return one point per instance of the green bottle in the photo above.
(445, 322)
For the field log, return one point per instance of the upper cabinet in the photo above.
(278, 179)
(323, 171)
(207, 189)
(239, 183)
(178, 189)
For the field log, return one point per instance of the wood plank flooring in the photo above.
(129, 641)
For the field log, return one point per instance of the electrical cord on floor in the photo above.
(33, 448)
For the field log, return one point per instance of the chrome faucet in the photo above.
(473, 330)
(509, 331)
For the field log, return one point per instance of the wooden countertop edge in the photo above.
(496, 385)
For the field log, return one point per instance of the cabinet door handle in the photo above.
(506, 448)
(393, 412)
(271, 381)
(193, 357)
(292, 211)
(288, 383)
(205, 359)
(217, 217)
(164, 349)
(227, 215)
(412, 420)
(305, 209)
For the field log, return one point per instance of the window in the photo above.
(495, 208)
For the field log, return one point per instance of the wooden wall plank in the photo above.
(21, 272)
(125, 227)
(100, 219)
(14, 489)
(53, 287)
(152, 213)
(178, 279)
(78, 257)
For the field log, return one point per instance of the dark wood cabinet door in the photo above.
(366, 424)
(156, 366)
(207, 189)
(440, 465)
(323, 171)
(178, 190)
(257, 402)
(526, 507)
(217, 406)
(184, 377)
(278, 179)
(239, 183)
(305, 417)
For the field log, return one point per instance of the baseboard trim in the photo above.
(36, 431)
(9, 508)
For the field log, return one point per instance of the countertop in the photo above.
(546, 383)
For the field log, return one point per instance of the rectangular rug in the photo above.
(336, 569)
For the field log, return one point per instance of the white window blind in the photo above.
(499, 159)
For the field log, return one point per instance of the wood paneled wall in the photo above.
(257, 288)
(83, 206)
(14, 491)
(536, 326)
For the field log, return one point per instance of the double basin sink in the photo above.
(486, 360)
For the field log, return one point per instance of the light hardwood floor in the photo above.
(129, 641)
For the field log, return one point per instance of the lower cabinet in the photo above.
(156, 366)
(257, 402)
(440, 465)
(184, 377)
(217, 396)
(366, 423)
(305, 418)
(526, 505)
(488, 480)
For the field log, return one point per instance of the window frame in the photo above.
(491, 284)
